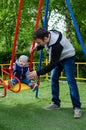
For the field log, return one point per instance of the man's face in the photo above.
(42, 42)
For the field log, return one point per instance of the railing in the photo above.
(79, 66)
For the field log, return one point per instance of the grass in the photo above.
(22, 111)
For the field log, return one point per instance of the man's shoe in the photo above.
(52, 107)
(77, 113)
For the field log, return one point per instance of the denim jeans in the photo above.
(26, 81)
(69, 66)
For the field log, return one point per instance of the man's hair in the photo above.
(40, 33)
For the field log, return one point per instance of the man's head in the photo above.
(23, 59)
(41, 36)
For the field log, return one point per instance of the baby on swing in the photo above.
(21, 71)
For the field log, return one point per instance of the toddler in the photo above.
(21, 71)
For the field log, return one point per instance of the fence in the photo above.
(80, 68)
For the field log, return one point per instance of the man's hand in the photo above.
(32, 49)
(32, 75)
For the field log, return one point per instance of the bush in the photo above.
(5, 57)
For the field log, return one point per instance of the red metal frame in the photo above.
(13, 53)
(36, 26)
(8, 87)
(16, 34)
(2, 82)
(5, 92)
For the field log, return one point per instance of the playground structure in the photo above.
(20, 85)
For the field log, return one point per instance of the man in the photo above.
(61, 56)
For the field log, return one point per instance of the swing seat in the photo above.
(16, 87)
(23, 87)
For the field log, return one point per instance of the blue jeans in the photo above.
(69, 66)
(26, 81)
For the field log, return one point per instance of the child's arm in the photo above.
(27, 73)
(13, 67)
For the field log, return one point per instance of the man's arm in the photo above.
(55, 56)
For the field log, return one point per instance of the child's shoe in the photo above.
(35, 87)
(10, 83)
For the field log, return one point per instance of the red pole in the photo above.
(36, 26)
(16, 34)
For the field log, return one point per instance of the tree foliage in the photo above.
(8, 16)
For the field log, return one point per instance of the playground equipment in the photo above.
(76, 27)
(44, 26)
(20, 86)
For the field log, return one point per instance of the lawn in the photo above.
(22, 111)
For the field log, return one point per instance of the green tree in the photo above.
(8, 16)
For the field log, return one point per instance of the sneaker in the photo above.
(10, 83)
(52, 107)
(35, 87)
(77, 113)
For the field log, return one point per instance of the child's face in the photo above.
(22, 62)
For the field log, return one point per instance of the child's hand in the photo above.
(9, 67)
